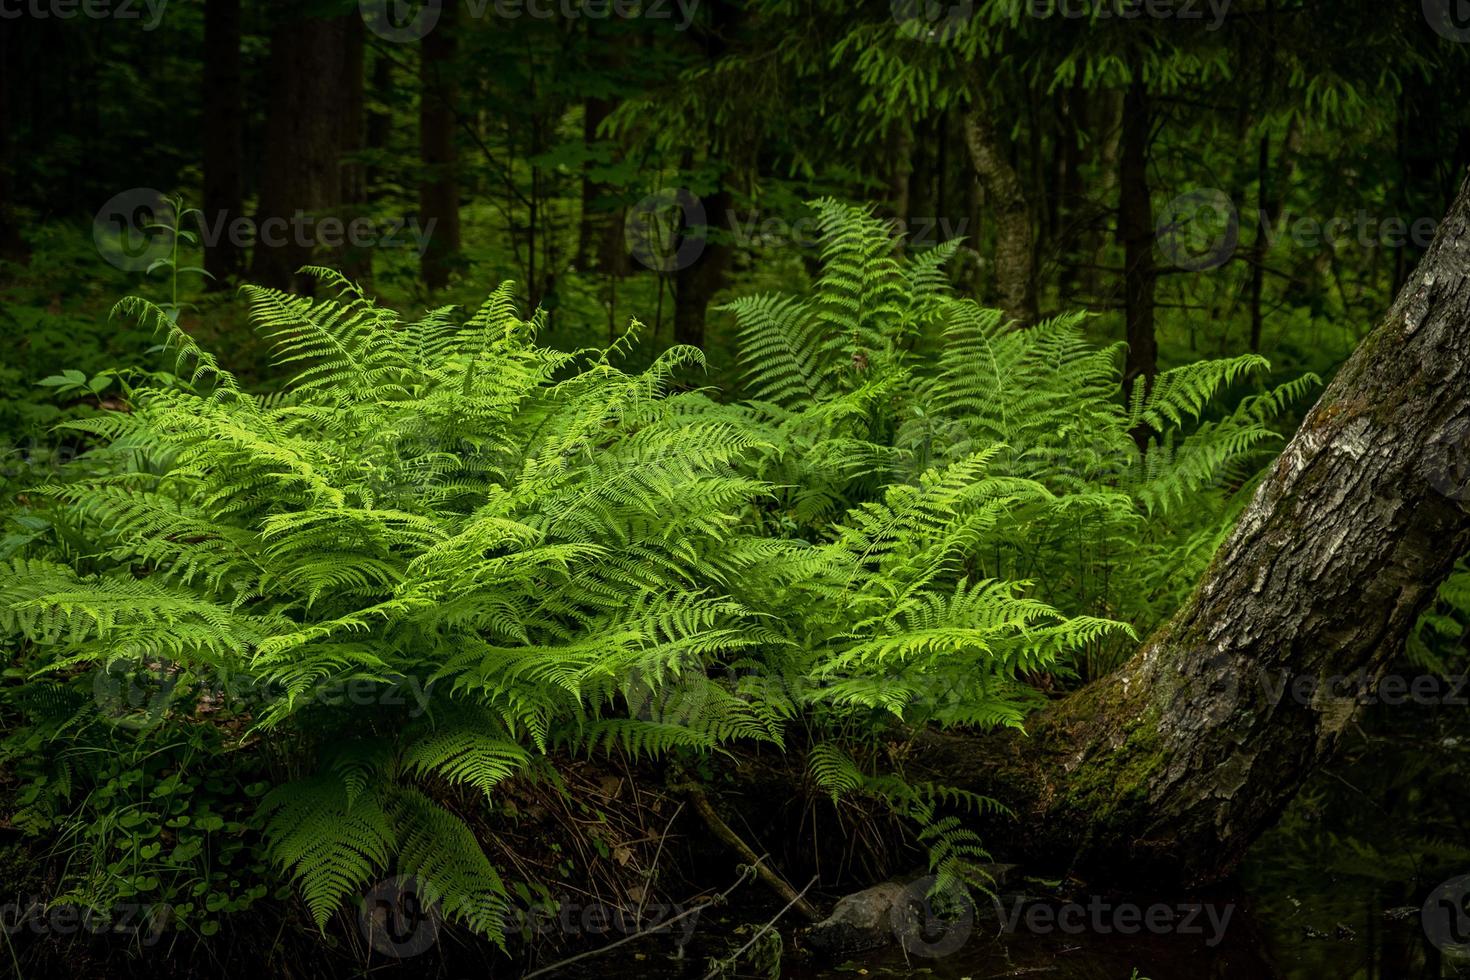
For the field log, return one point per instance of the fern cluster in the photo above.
(526, 533)
(916, 514)
(882, 389)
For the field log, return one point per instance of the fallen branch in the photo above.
(735, 956)
(722, 830)
(745, 873)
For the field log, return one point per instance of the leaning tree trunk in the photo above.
(1015, 278)
(1169, 768)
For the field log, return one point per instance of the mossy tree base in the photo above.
(1168, 769)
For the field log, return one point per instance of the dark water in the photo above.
(1335, 891)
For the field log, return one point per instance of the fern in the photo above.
(918, 512)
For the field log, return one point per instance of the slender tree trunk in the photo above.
(1170, 767)
(1270, 199)
(224, 140)
(1109, 108)
(1014, 255)
(592, 227)
(1264, 227)
(1136, 232)
(356, 259)
(973, 278)
(941, 182)
(733, 144)
(300, 175)
(1040, 189)
(439, 186)
(378, 124)
(900, 167)
(696, 284)
(1071, 204)
(919, 199)
(12, 246)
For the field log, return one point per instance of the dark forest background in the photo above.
(1294, 156)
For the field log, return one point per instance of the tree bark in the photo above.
(900, 165)
(439, 187)
(1108, 106)
(600, 230)
(1014, 255)
(1070, 204)
(1169, 768)
(300, 176)
(224, 140)
(696, 284)
(356, 258)
(12, 246)
(378, 123)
